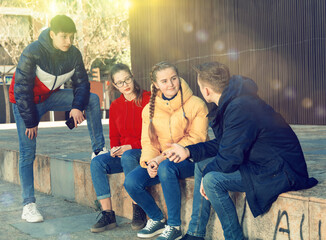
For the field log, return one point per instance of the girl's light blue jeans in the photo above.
(105, 164)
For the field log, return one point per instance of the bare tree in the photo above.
(15, 36)
(102, 27)
(105, 31)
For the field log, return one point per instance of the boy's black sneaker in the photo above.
(190, 237)
(139, 219)
(106, 222)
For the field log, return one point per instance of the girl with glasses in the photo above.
(125, 125)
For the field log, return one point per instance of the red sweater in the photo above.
(125, 121)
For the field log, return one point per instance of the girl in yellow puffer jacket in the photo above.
(173, 115)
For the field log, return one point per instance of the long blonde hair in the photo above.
(151, 129)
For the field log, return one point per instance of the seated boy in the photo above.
(255, 151)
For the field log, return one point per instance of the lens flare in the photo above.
(219, 45)
(276, 84)
(202, 36)
(307, 103)
(289, 93)
(187, 27)
(320, 111)
(233, 54)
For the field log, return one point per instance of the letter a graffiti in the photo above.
(283, 230)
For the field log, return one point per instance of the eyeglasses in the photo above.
(121, 83)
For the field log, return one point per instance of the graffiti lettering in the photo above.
(279, 217)
(319, 229)
(301, 223)
(278, 229)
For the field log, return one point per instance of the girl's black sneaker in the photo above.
(106, 222)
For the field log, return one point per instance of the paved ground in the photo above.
(64, 220)
(55, 140)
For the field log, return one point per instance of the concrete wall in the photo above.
(295, 215)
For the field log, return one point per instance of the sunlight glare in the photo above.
(127, 4)
(53, 8)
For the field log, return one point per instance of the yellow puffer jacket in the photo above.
(170, 124)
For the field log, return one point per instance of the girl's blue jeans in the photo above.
(105, 164)
(168, 175)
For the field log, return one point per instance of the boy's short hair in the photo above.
(62, 23)
(215, 74)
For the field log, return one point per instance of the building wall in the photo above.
(279, 44)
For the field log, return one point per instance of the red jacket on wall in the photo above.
(125, 121)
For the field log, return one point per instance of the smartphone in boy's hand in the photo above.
(70, 123)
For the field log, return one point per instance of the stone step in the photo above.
(295, 215)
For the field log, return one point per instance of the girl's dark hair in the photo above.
(62, 23)
(137, 90)
(151, 130)
(216, 74)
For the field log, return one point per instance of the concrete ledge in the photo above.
(295, 215)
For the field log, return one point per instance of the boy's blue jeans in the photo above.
(200, 207)
(105, 164)
(168, 174)
(58, 101)
(217, 186)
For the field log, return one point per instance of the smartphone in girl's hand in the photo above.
(117, 149)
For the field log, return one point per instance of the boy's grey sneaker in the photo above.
(106, 222)
(152, 228)
(170, 233)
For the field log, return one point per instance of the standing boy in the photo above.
(43, 67)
